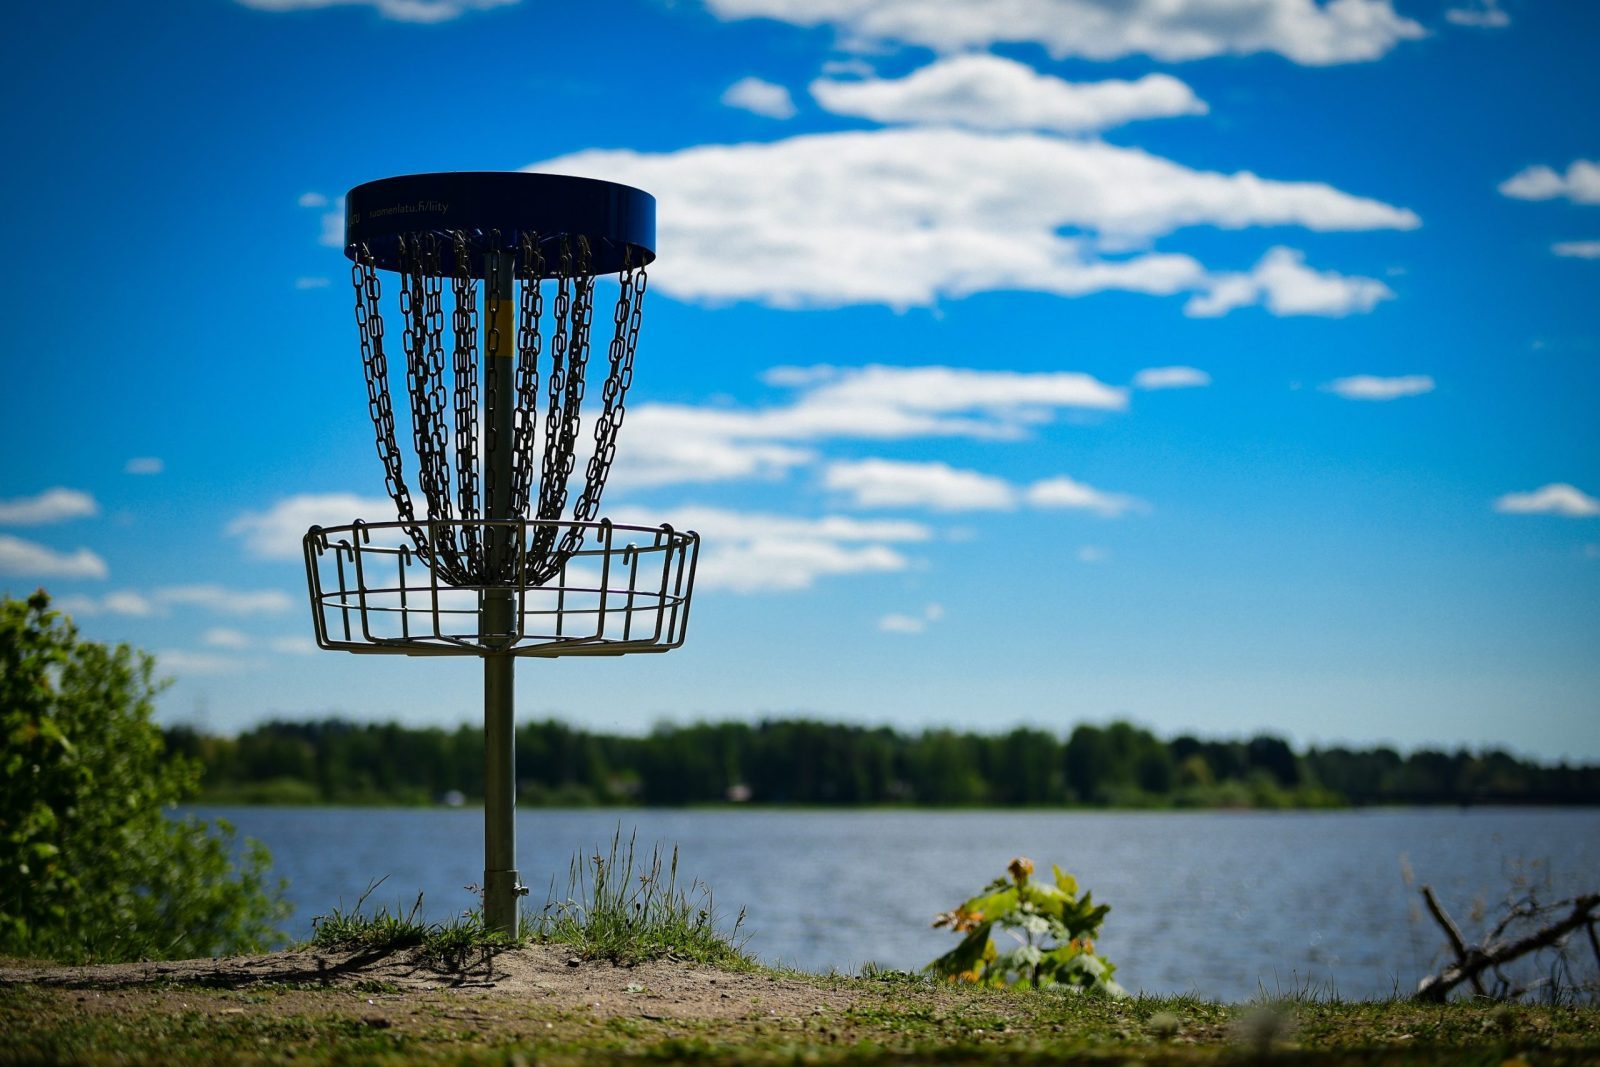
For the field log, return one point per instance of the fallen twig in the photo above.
(1473, 960)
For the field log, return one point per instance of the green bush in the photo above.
(1054, 930)
(92, 866)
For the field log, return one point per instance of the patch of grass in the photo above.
(626, 909)
(447, 944)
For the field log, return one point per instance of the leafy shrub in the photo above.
(91, 865)
(1054, 930)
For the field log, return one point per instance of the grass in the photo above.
(620, 909)
(448, 944)
(618, 906)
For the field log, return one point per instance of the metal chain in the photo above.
(369, 325)
(624, 342)
(465, 323)
(419, 302)
(529, 342)
(457, 549)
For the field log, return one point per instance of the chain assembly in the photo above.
(449, 396)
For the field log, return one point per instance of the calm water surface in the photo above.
(1216, 903)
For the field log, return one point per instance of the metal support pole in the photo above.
(502, 888)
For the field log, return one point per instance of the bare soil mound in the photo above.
(547, 974)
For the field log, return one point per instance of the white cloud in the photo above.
(1577, 249)
(199, 663)
(124, 602)
(52, 505)
(224, 601)
(1064, 492)
(1092, 554)
(905, 217)
(1483, 14)
(277, 533)
(668, 443)
(911, 624)
(144, 465)
(221, 637)
(213, 598)
(25, 559)
(882, 483)
(332, 235)
(1170, 378)
(1283, 282)
(987, 92)
(311, 283)
(293, 646)
(1558, 498)
(1305, 31)
(749, 552)
(761, 97)
(1372, 387)
(1580, 183)
(399, 10)
(312, 199)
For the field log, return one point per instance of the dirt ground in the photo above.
(547, 975)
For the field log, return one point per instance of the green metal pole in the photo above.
(502, 888)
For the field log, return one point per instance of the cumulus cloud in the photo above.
(669, 443)
(312, 199)
(1373, 387)
(1483, 14)
(25, 559)
(1305, 31)
(1580, 183)
(1577, 249)
(1283, 282)
(760, 97)
(1557, 498)
(399, 10)
(52, 505)
(221, 637)
(1170, 378)
(277, 532)
(987, 92)
(208, 664)
(144, 465)
(905, 217)
(332, 235)
(213, 598)
(225, 601)
(123, 602)
(911, 624)
(1064, 492)
(748, 552)
(882, 483)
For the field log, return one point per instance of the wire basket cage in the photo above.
(620, 590)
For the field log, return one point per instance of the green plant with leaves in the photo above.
(92, 864)
(1053, 929)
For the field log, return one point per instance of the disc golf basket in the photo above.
(491, 562)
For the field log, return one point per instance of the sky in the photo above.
(1224, 366)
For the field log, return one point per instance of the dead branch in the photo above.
(1458, 944)
(1473, 960)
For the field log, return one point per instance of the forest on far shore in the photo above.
(806, 762)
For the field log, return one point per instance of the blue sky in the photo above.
(1224, 365)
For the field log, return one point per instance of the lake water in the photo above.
(1222, 904)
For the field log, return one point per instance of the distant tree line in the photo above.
(797, 761)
